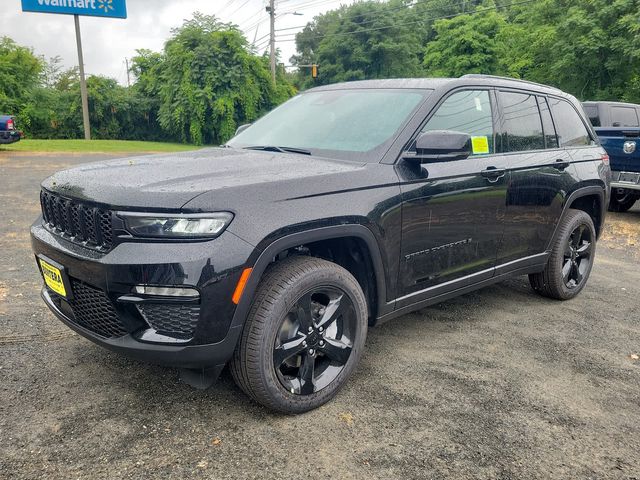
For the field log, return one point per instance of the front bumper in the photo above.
(184, 356)
(103, 309)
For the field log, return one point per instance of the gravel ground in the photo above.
(499, 383)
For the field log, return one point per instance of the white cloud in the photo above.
(107, 42)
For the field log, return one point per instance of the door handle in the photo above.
(493, 174)
(561, 164)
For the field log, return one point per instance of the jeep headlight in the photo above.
(206, 225)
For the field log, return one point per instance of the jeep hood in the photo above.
(168, 182)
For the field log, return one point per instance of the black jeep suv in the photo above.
(348, 205)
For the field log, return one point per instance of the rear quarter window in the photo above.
(571, 131)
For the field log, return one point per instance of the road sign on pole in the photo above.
(95, 8)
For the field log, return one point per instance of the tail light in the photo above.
(605, 159)
(10, 125)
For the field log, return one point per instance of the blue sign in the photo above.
(96, 8)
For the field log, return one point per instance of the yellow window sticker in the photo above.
(479, 145)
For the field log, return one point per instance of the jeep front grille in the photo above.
(77, 221)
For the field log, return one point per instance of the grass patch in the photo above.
(93, 146)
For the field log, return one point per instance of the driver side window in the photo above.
(469, 112)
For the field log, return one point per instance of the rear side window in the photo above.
(592, 113)
(550, 136)
(469, 112)
(571, 130)
(624, 117)
(522, 122)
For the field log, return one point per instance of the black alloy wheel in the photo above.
(315, 340)
(572, 253)
(304, 335)
(577, 256)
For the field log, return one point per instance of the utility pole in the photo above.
(83, 82)
(272, 38)
(126, 61)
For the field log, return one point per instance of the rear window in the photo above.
(592, 113)
(571, 130)
(624, 117)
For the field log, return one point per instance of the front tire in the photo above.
(303, 337)
(571, 259)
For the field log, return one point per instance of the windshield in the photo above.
(350, 124)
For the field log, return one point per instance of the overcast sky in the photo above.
(107, 42)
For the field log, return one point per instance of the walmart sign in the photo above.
(97, 8)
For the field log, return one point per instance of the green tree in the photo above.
(371, 39)
(466, 44)
(20, 72)
(361, 41)
(211, 83)
(587, 47)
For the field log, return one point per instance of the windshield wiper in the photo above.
(273, 148)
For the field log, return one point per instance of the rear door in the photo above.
(540, 175)
(452, 211)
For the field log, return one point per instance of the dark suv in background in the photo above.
(8, 132)
(618, 127)
(348, 205)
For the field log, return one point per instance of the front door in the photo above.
(453, 211)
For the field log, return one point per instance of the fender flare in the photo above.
(307, 236)
(580, 192)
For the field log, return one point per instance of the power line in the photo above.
(376, 15)
(355, 32)
(237, 9)
(263, 37)
(225, 6)
(313, 4)
(255, 23)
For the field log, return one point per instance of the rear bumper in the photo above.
(7, 136)
(626, 180)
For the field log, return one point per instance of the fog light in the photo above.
(166, 291)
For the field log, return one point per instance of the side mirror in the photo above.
(440, 146)
(242, 128)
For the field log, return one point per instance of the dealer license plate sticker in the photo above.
(53, 278)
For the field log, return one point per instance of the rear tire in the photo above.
(303, 337)
(622, 200)
(571, 259)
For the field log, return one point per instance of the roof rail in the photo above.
(497, 77)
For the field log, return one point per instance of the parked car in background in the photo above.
(618, 126)
(8, 132)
